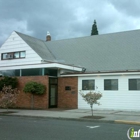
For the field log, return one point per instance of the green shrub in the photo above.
(8, 81)
(34, 88)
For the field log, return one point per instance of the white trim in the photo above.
(100, 74)
(41, 65)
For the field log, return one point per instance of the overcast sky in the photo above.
(67, 18)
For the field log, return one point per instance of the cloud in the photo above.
(67, 19)
(5, 28)
(129, 8)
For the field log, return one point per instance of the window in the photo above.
(134, 84)
(22, 54)
(17, 73)
(88, 84)
(53, 81)
(50, 72)
(7, 55)
(111, 84)
(8, 72)
(4, 56)
(32, 72)
(13, 55)
(16, 55)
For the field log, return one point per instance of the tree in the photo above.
(35, 89)
(8, 81)
(8, 96)
(91, 98)
(94, 30)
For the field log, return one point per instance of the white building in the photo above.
(107, 63)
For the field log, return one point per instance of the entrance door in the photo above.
(52, 92)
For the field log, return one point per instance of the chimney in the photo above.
(48, 37)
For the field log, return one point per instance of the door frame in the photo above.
(56, 94)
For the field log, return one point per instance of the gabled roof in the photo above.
(109, 52)
(39, 46)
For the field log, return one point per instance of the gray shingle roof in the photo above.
(108, 52)
(39, 46)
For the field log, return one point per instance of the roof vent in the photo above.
(48, 37)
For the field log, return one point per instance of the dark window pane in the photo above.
(134, 84)
(31, 72)
(85, 85)
(111, 84)
(114, 84)
(17, 72)
(107, 84)
(88, 84)
(138, 84)
(50, 72)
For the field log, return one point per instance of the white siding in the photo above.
(15, 43)
(122, 99)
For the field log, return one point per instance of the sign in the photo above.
(131, 133)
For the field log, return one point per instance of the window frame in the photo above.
(111, 89)
(12, 54)
(137, 89)
(15, 55)
(20, 54)
(88, 84)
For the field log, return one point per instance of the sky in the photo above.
(66, 19)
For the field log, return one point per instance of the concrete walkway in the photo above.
(78, 114)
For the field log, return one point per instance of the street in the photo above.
(25, 128)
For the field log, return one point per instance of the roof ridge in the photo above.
(79, 37)
(121, 32)
(30, 36)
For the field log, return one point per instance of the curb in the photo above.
(76, 119)
(127, 122)
(61, 118)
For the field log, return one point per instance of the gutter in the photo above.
(102, 73)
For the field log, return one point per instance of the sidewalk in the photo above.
(78, 114)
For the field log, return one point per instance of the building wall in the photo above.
(67, 98)
(24, 99)
(15, 43)
(121, 99)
